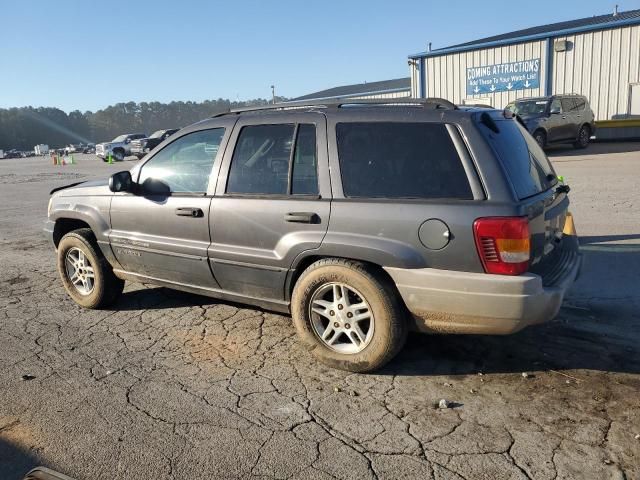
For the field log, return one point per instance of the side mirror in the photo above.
(155, 188)
(121, 182)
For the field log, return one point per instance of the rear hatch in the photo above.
(541, 198)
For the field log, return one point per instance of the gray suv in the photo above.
(362, 220)
(557, 119)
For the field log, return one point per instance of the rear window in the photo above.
(400, 160)
(524, 161)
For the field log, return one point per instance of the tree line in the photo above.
(23, 128)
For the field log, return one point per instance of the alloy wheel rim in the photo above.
(341, 318)
(79, 271)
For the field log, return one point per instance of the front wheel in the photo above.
(541, 138)
(348, 315)
(118, 155)
(584, 135)
(86, 275)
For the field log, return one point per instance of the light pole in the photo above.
(273, 94)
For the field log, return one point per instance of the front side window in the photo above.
(528, 107)
(556, 106)
(184, 165)
(263, 163)
(400, 160)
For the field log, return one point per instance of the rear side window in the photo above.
(265, 161)
(581, 104)
(522, 158)
(400, 160)
(568, 105)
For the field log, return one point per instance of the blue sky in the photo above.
(85, 55)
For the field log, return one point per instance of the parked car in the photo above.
(142, 146)
(13, 153)
(119, 147)
(73, 148)
(557, 119)
(89, 148)
(362, 222)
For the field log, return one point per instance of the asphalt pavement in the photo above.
(168, 385)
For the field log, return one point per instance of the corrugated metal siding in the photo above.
(601, 65)
(403, 94)
(414, 74)
(446, 74)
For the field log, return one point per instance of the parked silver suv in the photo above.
(118, 148)
(362, 220)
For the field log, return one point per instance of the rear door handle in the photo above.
(189, 212)
(302, 217)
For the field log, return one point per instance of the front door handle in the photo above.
(302, 217)
(189, 212)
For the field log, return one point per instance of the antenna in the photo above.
(615, 10)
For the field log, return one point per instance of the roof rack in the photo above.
(431, 103)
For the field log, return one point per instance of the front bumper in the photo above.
(139, 151)
(444, 301)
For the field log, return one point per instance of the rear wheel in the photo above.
(85, 273)
(118, 155)
(584, 135)
(540, 137)
(348, 315)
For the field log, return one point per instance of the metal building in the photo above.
(598, 57)
(396, 88)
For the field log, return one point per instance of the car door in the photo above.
(162, 231)
(571, 125)
(272, 201)
(556, 130)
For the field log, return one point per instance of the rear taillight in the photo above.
(503, 244)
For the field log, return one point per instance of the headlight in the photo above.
(49, 206)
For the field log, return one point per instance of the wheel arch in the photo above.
(305, 261)
(65, 225)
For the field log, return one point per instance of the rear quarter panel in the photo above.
(386, 231)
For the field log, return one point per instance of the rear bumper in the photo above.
(444, 301)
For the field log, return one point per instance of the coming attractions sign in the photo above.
(503, 77)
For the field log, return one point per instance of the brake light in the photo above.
(503, 244)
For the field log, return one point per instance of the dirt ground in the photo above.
(168, 385)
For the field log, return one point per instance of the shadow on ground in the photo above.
(15, 461)
(597, 336)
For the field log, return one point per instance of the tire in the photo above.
(105, 289)
(118, 155)
(584, 135)
(385, 332)
(540, 137)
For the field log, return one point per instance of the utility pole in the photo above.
(273, 94)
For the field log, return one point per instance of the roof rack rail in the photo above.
(432, 103)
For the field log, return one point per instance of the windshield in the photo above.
(157, 134)
(528, 107)
(120, 138)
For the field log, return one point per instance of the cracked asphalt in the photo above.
(168, 385)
